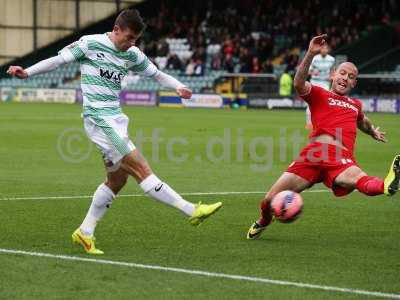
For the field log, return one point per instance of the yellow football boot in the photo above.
(255, 231)
(203, 211)
(87, 242)
(393, 177)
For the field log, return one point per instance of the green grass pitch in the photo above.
(351, 242)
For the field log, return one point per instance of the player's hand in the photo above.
(17, 71)
(378, 135)
(184, 92)
(317, 43)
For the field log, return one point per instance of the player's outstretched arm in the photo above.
(43, 66)
(365, 125)
(301, 85)
(170, 82)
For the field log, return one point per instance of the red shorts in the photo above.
(320, 162)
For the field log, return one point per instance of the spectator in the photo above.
(268, 67)
(245, 60)
(228, 48)
(229, 64)
(190, 68)
(255, 66)
(285, 84)
(174, 62)
(162, 48)
(216, 62)
(199, 67)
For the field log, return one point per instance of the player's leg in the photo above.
(101, 201)
(137, 166)
(110, 137)
(287, 181)
(354, 178)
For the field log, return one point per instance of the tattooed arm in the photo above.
(301, 85)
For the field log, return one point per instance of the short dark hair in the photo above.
(130, 18)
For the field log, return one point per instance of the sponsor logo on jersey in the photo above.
(340, 103)
(100, 56)
(111, 75)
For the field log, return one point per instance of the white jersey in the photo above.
(324, 66)
(103, 67)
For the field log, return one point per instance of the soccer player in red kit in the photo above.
(328, 158)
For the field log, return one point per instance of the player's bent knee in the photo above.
(136, 165)
(349, 178)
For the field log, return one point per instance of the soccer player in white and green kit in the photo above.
(104, 60)
(320, 72)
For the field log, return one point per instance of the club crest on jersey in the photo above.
(111, 75)
(340, 103)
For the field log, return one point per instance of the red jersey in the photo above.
(334, 115)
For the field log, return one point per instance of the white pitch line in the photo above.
(143, 195)
(206, 274)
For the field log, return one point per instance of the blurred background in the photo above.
(238, 50)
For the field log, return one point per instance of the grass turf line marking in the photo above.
(143, 195)
(205, 274)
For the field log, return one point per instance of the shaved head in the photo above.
(344, 79)
(348, 64)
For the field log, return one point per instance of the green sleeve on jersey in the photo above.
(77, 52)
(141, 67)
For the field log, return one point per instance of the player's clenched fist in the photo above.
(184, 92)
(17, 71)
(316, 43)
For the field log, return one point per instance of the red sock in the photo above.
(370, 185)
(266, 213)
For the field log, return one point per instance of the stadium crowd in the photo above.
(252, 36)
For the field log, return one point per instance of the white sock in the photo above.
(161, 191)
(102, 199)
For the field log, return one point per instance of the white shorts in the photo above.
(110, 135)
